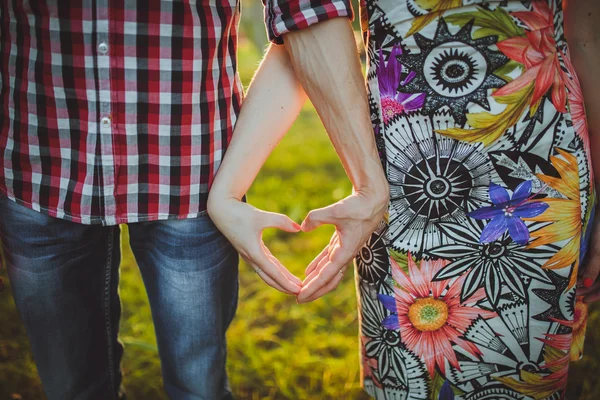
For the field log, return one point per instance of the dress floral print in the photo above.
(467, 290)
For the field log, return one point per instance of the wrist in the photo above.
(217, 200)
(372, 179)
(376, 191)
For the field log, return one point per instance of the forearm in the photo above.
(583, 33)
(326, 62)
(273, 101)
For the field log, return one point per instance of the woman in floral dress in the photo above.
(468, 289)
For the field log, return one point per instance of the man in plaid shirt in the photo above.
(119, 112)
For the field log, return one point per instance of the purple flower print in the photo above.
(393, 102)
(391, 321)
(446, 392)
(506, 213)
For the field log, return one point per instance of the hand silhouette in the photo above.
(355, 218)
(243, 225)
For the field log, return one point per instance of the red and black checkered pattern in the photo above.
(116, 111)
(283, 16)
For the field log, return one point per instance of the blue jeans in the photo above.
(65, 280)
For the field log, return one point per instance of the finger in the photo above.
(325, 253)
(263, 262)
(293, 278)
(327, 274)
(264, 276)
(583, 291)
(310, 277)
(592, 266)
(314, 263)
(267, 279)
(279, 221)
(592, 297)
(318, 217)
(315, 273)
(329, 288)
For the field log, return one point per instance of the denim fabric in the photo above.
(65, 283)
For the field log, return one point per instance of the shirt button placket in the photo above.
(107, 159)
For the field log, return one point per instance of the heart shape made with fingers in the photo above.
(354, 221)
(355, 218)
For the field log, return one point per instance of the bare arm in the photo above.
(583, 33)
(326, 61)
(272, 104)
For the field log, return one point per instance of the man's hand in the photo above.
(587, 284)
(340, 98)
(355, 219)
(243, 224)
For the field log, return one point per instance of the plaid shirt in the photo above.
(283, 16)
(121, 111)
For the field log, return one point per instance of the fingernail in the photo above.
(588, 282)
(297, 226)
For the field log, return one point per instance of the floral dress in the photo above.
(467, 291)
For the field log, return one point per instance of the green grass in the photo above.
(278, 349)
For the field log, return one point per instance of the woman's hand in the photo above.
(355, 218)
(272, 103)
(587, 285)
(243, 224)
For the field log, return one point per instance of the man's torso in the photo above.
(116, 111)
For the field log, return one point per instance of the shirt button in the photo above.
(103, 48)
(105, 122)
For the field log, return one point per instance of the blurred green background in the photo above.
(277, 349)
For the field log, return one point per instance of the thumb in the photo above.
(318, 217)
(280, 221)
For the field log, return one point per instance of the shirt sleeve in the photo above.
(283, 16)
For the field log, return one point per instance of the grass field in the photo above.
(278, 349)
